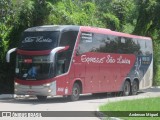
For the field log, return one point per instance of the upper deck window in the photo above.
(41, 40)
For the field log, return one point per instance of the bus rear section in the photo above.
(73, 60)
(114, 61)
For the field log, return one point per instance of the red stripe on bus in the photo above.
(31, 82)
(24, 52)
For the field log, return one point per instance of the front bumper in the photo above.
(43, 90)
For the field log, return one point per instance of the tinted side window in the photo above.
(68, 38)
(117, 44)
(145, 46)
(148, 44)
(93, 42)
(106, 43)
(110, 44)
(129, 46)
(86, 43)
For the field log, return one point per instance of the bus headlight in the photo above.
(16, 84)
(47, 85)
(49, 90)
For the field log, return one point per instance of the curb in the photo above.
(102, 116)
(155, 87)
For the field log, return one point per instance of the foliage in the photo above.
(118, 14)
(6, 15)
(112, 21)
(29, 13)
(5, 26)
(18, 17)
(156, 63)
(73, 12)
(148, 21)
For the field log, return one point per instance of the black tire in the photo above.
(135, 88)
(75, 92)
(126, 88)
(41, 98)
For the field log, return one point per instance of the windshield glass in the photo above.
(34, 67)
(39, 40)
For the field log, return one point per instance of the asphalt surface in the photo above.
(86, 103)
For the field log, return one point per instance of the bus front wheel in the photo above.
(75, 92)
(41, 98)
(126, 88)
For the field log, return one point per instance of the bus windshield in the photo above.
(39, 40)
(34, 67)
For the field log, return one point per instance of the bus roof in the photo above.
(110, 32)
(83, 28)
(53, 28)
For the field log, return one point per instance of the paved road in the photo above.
(86, 103)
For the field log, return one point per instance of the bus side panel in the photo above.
(105, 72)
(62, 84)
(105, 75)
(116, 72)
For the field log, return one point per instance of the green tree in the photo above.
(16, 17)
(29, 13)
(148, 23)
(6, 15)
(73, 12)
(148, 19)
(118, 15)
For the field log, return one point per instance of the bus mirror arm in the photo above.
(66, 48)
(55, 50)
(8, 54)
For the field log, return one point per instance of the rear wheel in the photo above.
(75, 92)
(135, 88)
(41, 98)
(126, 88)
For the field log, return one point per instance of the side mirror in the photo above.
(8, 54)
(54, 51)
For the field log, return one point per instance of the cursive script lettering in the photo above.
(28, 39)
(109, 59)
(122, 60)
(41, 39)
(38, 39)
(92, 59)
